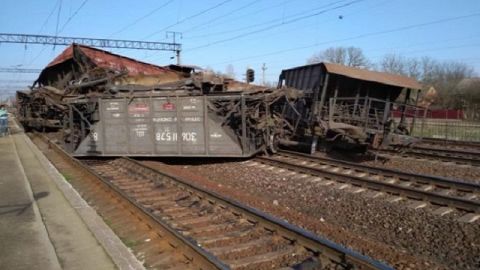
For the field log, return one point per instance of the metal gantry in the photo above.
(20, 70)
(94, 42)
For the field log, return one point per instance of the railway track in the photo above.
(447, 194)
(439, 154)
(198, 229)
(451, 143)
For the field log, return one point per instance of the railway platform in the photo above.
(44, 223)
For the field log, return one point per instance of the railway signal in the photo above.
(250, 75)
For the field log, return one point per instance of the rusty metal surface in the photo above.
(314, 73)
(110, 105)
(373, 76)
(109, 60)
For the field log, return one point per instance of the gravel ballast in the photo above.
(393, 232)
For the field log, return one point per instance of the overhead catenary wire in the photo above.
(48, 17)
(287, 20)
(187, 18)
(58, 17)
(281, 62)
(275, 25)
(249, 27)
(73, 15)
(40, 31)
(143, 17)
(261, 10)
(200, 25)
(387, 31)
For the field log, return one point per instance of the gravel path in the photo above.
(393, 232)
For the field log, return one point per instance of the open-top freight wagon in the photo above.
(109, 105)
(351, 108)
(236, 124)
(105, 104)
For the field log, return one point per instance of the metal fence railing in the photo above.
(448, 129)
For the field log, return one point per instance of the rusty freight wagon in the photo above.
(103, 104)
(351, 108)
(222, 125)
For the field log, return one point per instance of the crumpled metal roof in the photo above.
(110, 60)
(373, 76)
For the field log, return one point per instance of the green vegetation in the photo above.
(129, 243)
(67, 177)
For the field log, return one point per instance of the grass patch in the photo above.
(129, 243)
(67, 177)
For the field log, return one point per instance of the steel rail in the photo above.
(337, 253)
(439, 154)
(437, 181)
(320, 247)
(198, 256)
(447, 151)
(450, 142)
(395, 189)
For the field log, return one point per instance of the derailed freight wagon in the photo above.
(236, 124)
(39, 110)
(351, 108)
(109, 105)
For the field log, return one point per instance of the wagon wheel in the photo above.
(272, 136)
(273, 143)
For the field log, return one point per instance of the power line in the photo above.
(377, 56)
(275, 25)
(95, 42)
(282, 19)
(398, 29)
(269, 7)
(445, 48)
(141, 18)
(37, 56)
(41, 29)
(58, 17)
(48, 17)
(73, 15)
(188, 18)
(408, 27)
(223, 16)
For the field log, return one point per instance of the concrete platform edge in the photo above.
(113, 246)
(50, 248)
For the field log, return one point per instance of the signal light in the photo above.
(250, 75)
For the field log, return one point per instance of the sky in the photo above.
(243, 33)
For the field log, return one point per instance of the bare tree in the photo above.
(394, 63)
(443, 76)
(469, 92)
(348, 56)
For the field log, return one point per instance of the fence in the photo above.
(444, 124)
(448, 129)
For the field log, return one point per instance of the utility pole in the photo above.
(174, 34)
(263, 73)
